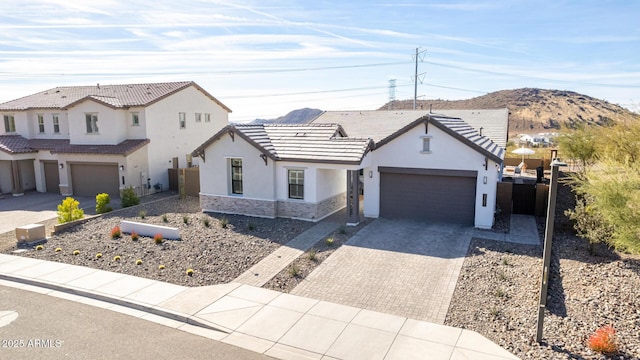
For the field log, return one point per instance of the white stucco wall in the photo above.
(22, 125)
(330, 182)
(111, 124)
(446, 153)
(34, 130)
(257, 178)
(133, 131)
(168, 140)
(136, 169)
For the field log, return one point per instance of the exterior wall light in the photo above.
(121, 167)
(370, 174)
(61, 166)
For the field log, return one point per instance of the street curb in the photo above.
(173, 315)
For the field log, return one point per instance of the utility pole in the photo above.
(415, 76)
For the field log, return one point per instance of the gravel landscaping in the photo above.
(497, 294)
(217, 253)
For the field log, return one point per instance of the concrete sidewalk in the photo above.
(276, 324)
(522, 230)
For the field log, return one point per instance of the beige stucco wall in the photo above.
(6, 181)
(111, 126)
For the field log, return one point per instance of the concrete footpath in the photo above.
(276, 324)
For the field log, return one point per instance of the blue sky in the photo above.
(264, 58)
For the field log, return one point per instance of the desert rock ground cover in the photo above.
(217, 253)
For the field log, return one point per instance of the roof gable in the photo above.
(115, 96)
(306, 143)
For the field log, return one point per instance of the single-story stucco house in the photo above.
(411, 164)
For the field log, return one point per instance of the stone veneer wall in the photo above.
(238, 205)
(311, 211)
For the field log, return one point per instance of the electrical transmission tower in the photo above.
(419, 56)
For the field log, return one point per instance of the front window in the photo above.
(92, 123)
(236, 176)
(198, 117)
(41, 123)
(207, 117)
(296, 184)
(9, 124)
(135, 119)
(56, 124)
(182, 117)
(426, 145)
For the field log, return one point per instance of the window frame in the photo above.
(295, 189)
(40, 118)
(198, 117)
(91, 122)
(135, 118)
(426, 140)
(182, 120)
(236, 176)
(9, 123)
(207, 117)
(55, 119)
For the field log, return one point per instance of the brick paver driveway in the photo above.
(400, 267)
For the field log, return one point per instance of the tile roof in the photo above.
(494, 122)
(385, 125)
(117, 96)
(16, 144)
(304, 142)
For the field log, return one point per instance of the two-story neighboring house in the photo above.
(83, 140)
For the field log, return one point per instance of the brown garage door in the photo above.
(92, 179)
(434, 196)
(51, 177)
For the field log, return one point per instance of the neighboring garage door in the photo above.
(92, 179)
(429, 195)
(51, 177)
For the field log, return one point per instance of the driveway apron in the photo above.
(401, 267)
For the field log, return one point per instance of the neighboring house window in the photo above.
(92, 123)
(198, 117)
(236, 176)
(41, 123)
(426, 145)
(56, 124)
(296, 184)
(207, 117)
(135, 119)
(9, 124)
(183, 120)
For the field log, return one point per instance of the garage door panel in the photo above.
(51, 177)
(92, 179)
(428, 197)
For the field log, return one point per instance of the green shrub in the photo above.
(294, 270)
(68, 210)
(251, 226)
(164, 218)
(206, 222)
(142, 214)
(129, 197)
(224, 222)
(102, 203)
(329, 241)
(185, 219)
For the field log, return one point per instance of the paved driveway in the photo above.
(400, 267)
(33, 207)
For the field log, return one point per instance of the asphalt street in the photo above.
(36, 326)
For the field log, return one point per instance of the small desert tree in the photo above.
(69, 210)
(129, 197)
(581, 145)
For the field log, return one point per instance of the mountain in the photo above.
(535, 110)
(299, 116)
